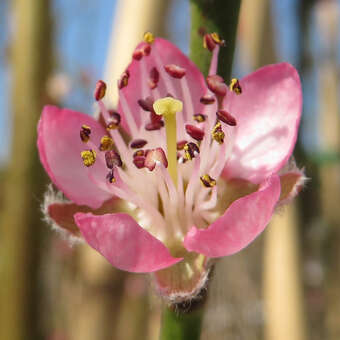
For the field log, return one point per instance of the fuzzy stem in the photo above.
(219, 16)
(181, 325)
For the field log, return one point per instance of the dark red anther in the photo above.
(146, 49)
(208, 42)
(113, 121)
(226, 117)
(112, 158)
(146, 104)
(152, 126)
(169, 95)
(139, 162)
(207, 99)
(154, 78)
(124, 79)
(199, 117)
(194, 132)
(175, 71)
(138, 153)
(180, 144)
(110, 177)
(216, 85)
(137, 54)
(138, 143)
(154, 157)
(100, 90)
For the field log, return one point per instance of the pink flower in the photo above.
(186, 170)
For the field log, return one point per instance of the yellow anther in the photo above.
(235, 86)
(106, 143)
(217, 133)
(89, 157)
(167, 106)
(148, 37)
(216, 38)
(207, 181)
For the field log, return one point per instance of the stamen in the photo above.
(146, 50)
(207, 181)
(138, 153)
(154, 126)
(113, 121)
(112, 159)
(180, 144)
(235, 86)
(110, 177)
(154, 78)
(89, 157)
(146, 104)
(138, 143)
(199, 117)
(148, 37)
(208, 42)
(216, 85)
(175, 70)
(124, 79)
(217, 39)
(226, 117)
(168, 107)
(207, 99)
(85, 133)
(106, 143)
(137, 54)
(100, 90)
(217, 133)
(191, 150)
(139, 161)
(194, 132)
(155, 156)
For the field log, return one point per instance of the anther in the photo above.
(175, 71)
(217, 39)
(216, 85)
(217, 133)
(146, 104)
(124, 79)
(153, 126)
(146, 50)
(208, 181)
(199, 117)
(112, 159)
(137, 54)
(138, 153)
(148, 37)
(155, 156)
(226, 117)
(207, 99)
(100, 90)
(138, 143)
(139, 162)
(106, 143)
(194, 132)
(153, 78)
(85, 132)
(235, 86)
(180, 144)
(191, 150)
(89, 157)
(113, 121)
(110, 177)
(208, 42)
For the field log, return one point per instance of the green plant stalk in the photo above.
(219, 16)
(178, 325)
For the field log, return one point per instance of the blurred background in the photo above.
(286, 285)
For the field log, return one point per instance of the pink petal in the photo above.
(59, 147)
(126, 245)
(268, 114)
(242, 222)
(167, 53)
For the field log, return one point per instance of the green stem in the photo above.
(220, 16)
(179, 325)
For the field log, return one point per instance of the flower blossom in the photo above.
(185, 170)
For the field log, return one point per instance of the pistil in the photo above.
(168, 107)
